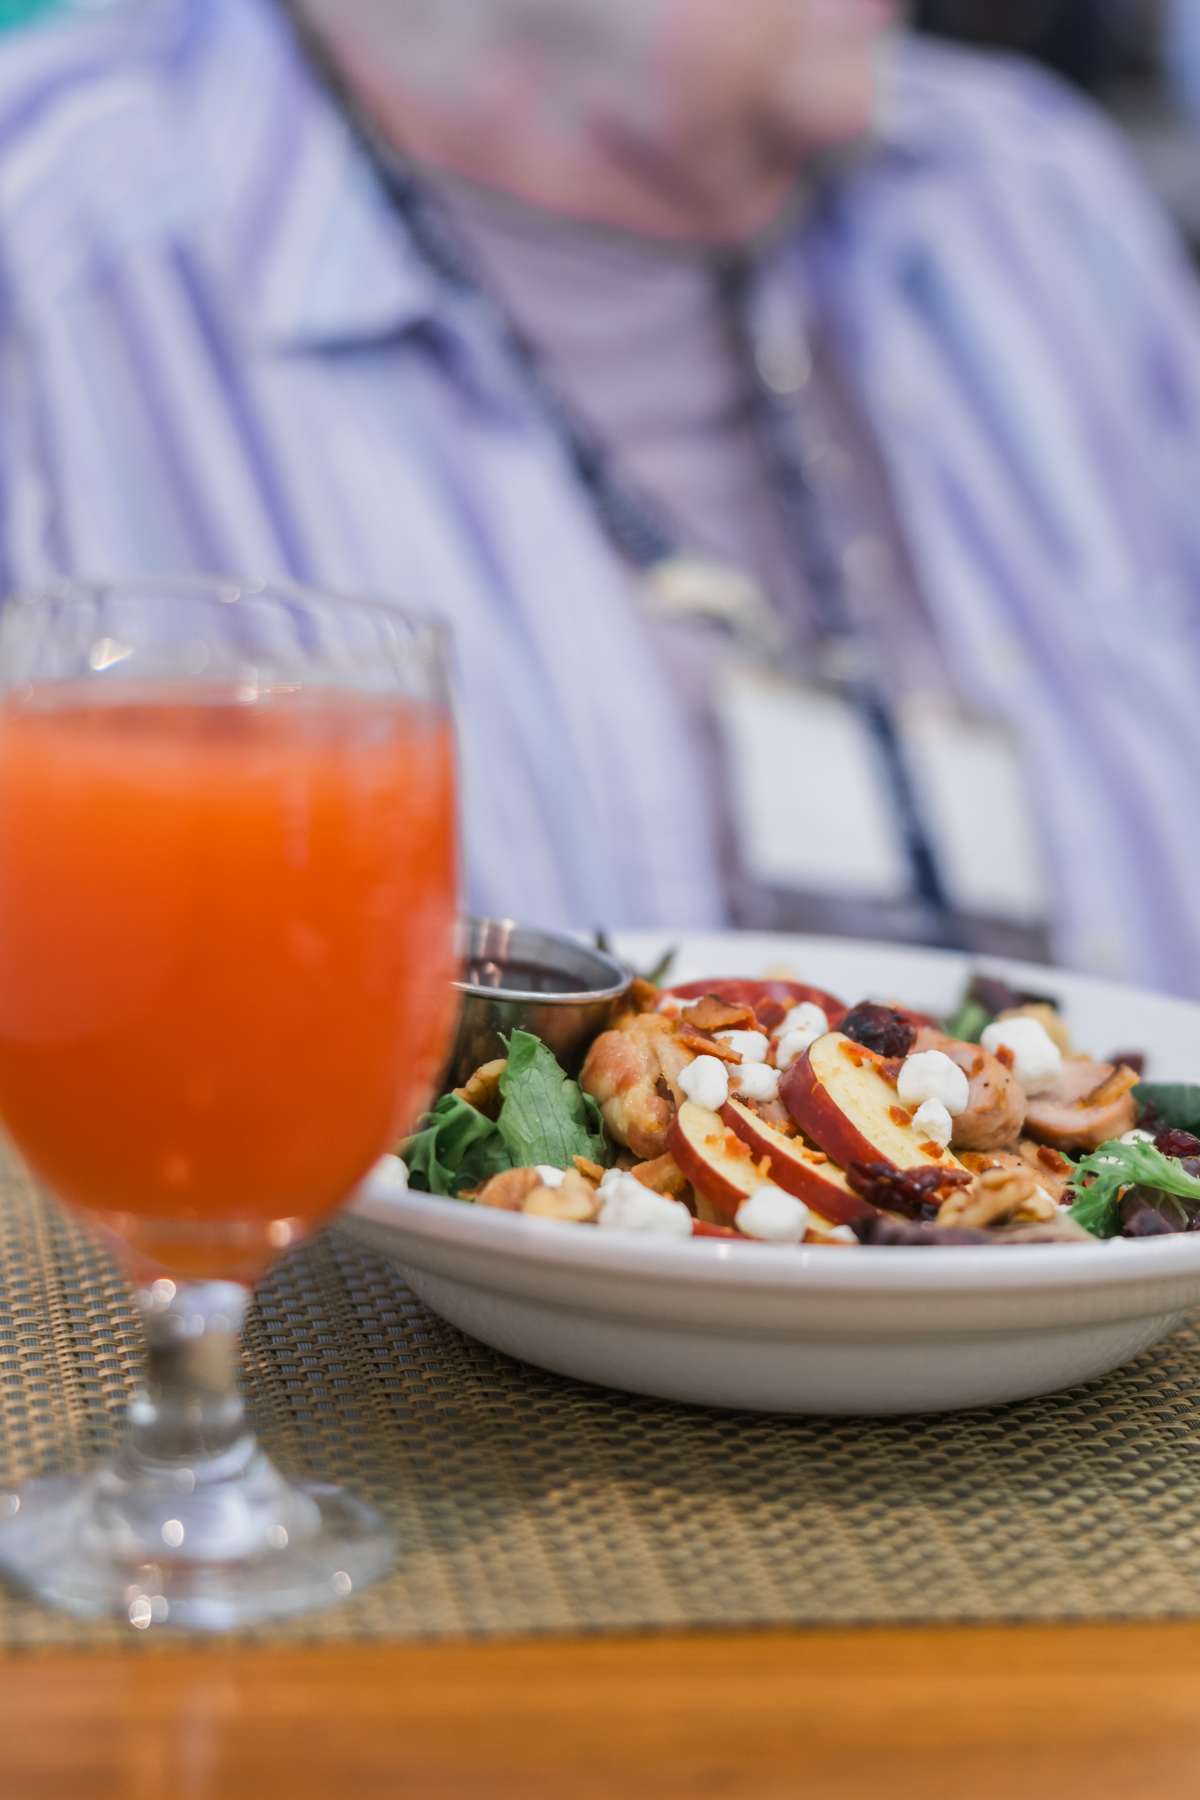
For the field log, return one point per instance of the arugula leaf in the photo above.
(546, 1117)
(1177, 1101)
(1117, 1166)
(456, 1148)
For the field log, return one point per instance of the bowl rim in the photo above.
(872, 1269)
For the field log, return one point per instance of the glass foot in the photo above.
(90, 1545)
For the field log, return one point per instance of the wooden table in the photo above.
(1017, 1713)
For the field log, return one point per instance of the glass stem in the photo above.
(189, 1413)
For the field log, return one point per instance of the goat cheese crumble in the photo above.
(628, 1206)
(391, 1174)
(799, 1032)
(932, 1075)
(754, 1081)
(1037, 1059)
(706, 1082)
(773, 1216)
(932, 1119)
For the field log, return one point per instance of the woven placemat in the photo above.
(525, 1502)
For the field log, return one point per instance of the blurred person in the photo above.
(732, 456)
(1076, 37)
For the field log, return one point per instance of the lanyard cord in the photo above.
(632, 522)
(807, 530)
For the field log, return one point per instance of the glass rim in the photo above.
(433, 636)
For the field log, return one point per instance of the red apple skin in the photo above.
(821, 1186)
(818, 1114)
(720, 1179)
(846, 1107)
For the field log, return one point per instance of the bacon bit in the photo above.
(706, 1046)
(889, 1067)
(641, 996)
(1112, 1087)
(735, 1148)
(814, 1156)
(1053, 1160)
(714, 1014)
(591, 1171)
(770, 1015)
(899, 1115)
(763, 1167)
(931, 1149)
(977, 1161)
(1004, 1055)
(853, 1053)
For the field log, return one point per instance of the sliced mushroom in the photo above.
(996, 1108)
(1083, 1111)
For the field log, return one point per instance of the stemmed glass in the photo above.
(228, 879)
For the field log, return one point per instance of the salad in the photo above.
(770, 1111)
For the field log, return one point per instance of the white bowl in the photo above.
(814, 1330)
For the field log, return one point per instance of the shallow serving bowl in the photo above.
(815, 1330)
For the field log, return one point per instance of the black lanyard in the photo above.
(632, 522)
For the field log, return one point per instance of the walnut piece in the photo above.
(482, 1091)
(576, 1201)
(998, 1197)
(510, 1190)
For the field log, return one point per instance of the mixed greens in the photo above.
(1103, 1178)
(544, 1118)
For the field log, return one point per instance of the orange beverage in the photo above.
(226, 949)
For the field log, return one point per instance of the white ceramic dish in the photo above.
(816, 1330)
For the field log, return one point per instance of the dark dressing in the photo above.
(521, 977)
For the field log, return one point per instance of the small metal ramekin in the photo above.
(567, 1021)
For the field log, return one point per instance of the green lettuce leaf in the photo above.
(1177, 1101)
(969, 1023)
(546, 1117)
(1117, 1166)
(456, 1148)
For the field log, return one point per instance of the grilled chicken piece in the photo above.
(1079, 1114)
(996, 1109)
(626, 1073)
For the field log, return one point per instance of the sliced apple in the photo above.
(837, 1095)
(797, 1168)
(715, 1159)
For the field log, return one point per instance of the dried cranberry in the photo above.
(1132, 1059)
(880, 1028)
(1150, 1118)
(906, 1191)
(1172, 1142)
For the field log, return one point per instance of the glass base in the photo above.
(90, 1545)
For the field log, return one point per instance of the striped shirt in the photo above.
(220, 351)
